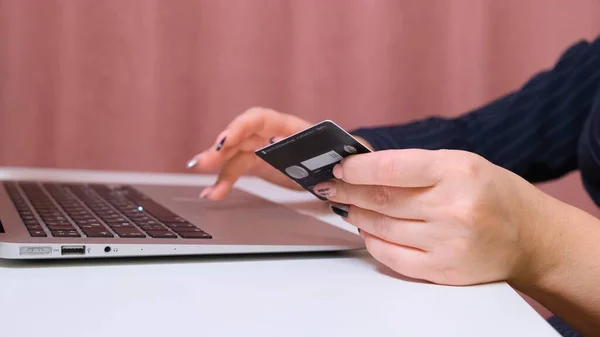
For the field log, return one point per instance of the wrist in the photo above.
(564, 266)
(542, 243)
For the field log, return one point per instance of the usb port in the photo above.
(72, 250)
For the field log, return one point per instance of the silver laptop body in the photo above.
(48, 219)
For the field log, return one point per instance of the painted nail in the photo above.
(337, 171)
(273, 140)
(192, 162)
(341, 210)
(205, 192)
(325, 190)
(220, 145)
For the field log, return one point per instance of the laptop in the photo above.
(46, 219)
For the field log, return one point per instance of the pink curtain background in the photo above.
(145, 84)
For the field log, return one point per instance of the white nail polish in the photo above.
(205, 192)
(192, 163)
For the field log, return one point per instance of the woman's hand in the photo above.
(449, 217)
(233, 155)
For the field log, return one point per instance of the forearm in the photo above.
(564, 273)
(533, 131)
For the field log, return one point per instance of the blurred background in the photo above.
(144, 85)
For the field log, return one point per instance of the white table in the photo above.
(300, 295)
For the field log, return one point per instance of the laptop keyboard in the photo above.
(95, 211)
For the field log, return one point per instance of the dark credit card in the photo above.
(308, 157)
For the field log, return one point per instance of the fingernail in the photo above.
(325, 190)
(273, 140)
(341, 210)
(220, 145)
(337, 171)
(205, 192)
(192, 162)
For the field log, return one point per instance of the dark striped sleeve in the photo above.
(533, 131)
(562, 328)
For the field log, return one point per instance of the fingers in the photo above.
(403, 260)
(211, 159)
(405, 203)
(262, 122)
(408, 233)
(249, 131)
(401, 168)
(229, 174)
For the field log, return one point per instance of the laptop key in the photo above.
(129, 233)
(85, 218)
(114, 219)
(34, 227)
(60, 227)
(162, 234)
(57, 223)
(195, 235)
(94, 233)
(138, 235)
(180, 225)
(65, 234)
(120, 225)
(153, 228)
(147, 222)
(37, 233)
(92, 225)
(140, 219)
(187, 229)
(31, 223)
(172, 219)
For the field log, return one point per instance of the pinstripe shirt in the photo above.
(542, 131)
(547, 128)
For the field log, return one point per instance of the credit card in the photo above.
(308, 157)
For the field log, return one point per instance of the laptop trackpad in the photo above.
(241, 217)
